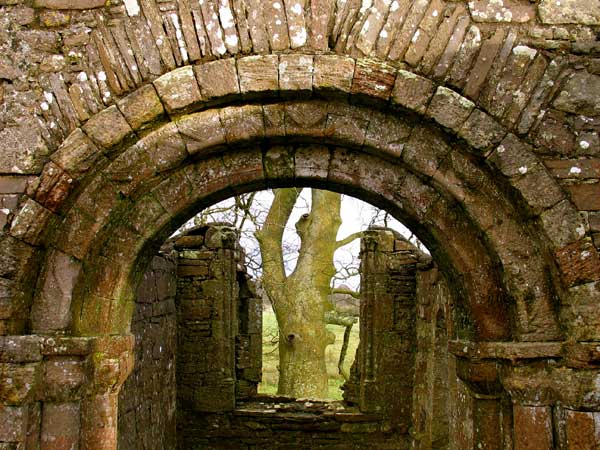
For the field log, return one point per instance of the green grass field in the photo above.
(270, 374)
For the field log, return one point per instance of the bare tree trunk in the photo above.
(300, 299)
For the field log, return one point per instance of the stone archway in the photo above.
(446, 167)
(429, 170)
(305, 122)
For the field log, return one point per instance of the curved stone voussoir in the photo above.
(156, 170)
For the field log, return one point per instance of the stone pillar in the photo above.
(147, 400)
(480, 413)
(249, 339)
(112, 360)
(386, 355)
(207, 293)
(61, 392)
(431, 407)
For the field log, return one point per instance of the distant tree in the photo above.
(301, 299)
(299, 276)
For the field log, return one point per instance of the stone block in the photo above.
(148, 216)
(581, 12)
(539, 189)
(60, 426)
(13, 423)
(64, 378)
(23, 149)
(69, 4)
(387, 133)
(296, 73)
(533, 428)
(513, 157)
(274, 116)
(218, 80)
(52, 309)
(192, 271)
(108, 128)
(580, 94)
(425, 150)
(574, 168)
(174, 192)
(412, 91)
(30, 222)
(279, 163)
(449, 109)
(165, 148)
(312, 162)
(53, 18)
(582, 322)
(481, 131)
(505, 11)
(51, 188)
(562, 224)
(306, 118)
(77, 154)
(129, 172)
(18, 382)
(244, 123)
(14, 184)
(258, 74)
(141, 107)
(178, 90)
(586, 196)
(201, 131)
(373, 79)
(67, 346)
(594, 220)
(578, 262)
(333, 74)
(344, 126)
(554, 136)
(580, 428)
(20, 349)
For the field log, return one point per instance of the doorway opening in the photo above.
(383, 305)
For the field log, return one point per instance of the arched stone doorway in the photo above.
(465, 185)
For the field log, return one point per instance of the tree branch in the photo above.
(270, 236)
(343, 352)
(346, 292)
(348, 239)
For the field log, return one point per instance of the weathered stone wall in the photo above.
(401, 368)
(432, 403)
(207, 320)
(208, 296)
(147, 416)
(387, 349)
(490, 153)
(280, 423)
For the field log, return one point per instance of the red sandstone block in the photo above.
(585, 196)
(581, 433)
(532, 428)
(578, 262)
(60, 426)
(373, 79)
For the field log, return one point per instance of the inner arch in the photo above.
(414, 170)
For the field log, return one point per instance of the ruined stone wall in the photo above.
(491, 148)
(219, 357)
(147, 399)
(386, 354)
(432, 403)
(401, 369)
